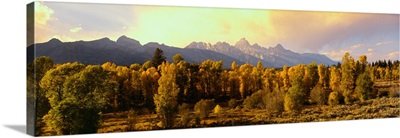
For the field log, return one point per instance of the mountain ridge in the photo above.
(276, 56)
(125, 51)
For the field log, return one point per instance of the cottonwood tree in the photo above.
(37, 103)
(348, 78)
(177, 58)
(135, 67)
(319, 95)
(269, 78)
(125, 90)
(35, 73)
(334, 79)
(149, 80)
(166, 98)
(245, 80)
(257, 74)
(146, 65)
(181, 78)
(84, 95)
(224, 79)
(296, 93)
(234, 85)
(209, 75)
(54, 79)
(310, 78)
(323, 74)
(136, 97)
(364, 89)
(285, 77)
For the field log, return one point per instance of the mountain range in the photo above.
(126, 51)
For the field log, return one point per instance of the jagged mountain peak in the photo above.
(104, 49)
(242, 43)
(199, 45)
(278, 47)
(219, 43)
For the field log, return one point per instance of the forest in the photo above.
(73, 98)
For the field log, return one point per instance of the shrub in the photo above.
(294, 99)
(333, 99)
(217, 109)
(184, 108)
(319, 95)
(289, 103)
(131, 119)
(184, 111)
(232, 103)
(394, 91)
(218, 112)
(71, 118)
(275, 102)
(256, 100)
(364, 89)
(185, 120)
(203, 108)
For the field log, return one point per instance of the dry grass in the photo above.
(374, 108)
(381, 107)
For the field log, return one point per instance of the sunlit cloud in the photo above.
(64, 38)
(393, 55)
(370, 52)
(383, 43)
(357, 46)
(75, 30)
(329, 33)
(43, 14)
(179, 26)
(337, 55)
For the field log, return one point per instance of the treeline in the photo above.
(70, 96)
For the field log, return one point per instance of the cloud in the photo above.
(393, 55)
(357, 46)
(64, 38)
(330, 33)
(383, 43)
(179, 26)
(370, 52)
(337, 54)
(75, 30)
(43, 14)
(314, 31)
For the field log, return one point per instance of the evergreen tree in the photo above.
(158, 58)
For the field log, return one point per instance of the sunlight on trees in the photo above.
(166, 98)
(78, 95)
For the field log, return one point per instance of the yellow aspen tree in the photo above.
(166, 100)
(348, 78)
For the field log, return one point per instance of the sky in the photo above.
(328, 33)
